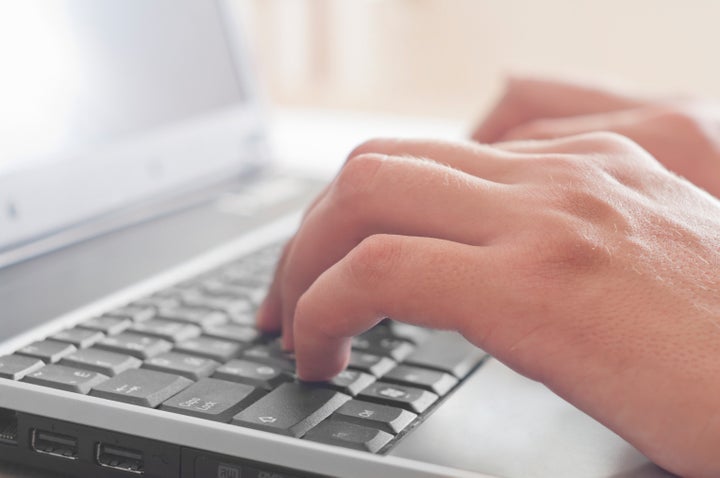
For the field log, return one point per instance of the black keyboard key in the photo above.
(448, 352)
(374, 415)
(291, 409)
(434, 381)
(80, 338)
(136, 345)
(212, 348)
(101, 361)
(107, 325)
(212, 399)
(370, 363)
(411, 333)
(258, 375)
(15, 367)
(188, 366)
(199, 317)
(65, 378)
(254, 293)
(414, 399)
(232, 332)
(166, 330)
(351, 382)
(270, 355)
(376, 342)
(134, 313)
(146, 388)
(349, 435)
(222, 304)
(48, 351)
(242, 317)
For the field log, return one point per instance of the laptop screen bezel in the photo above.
(50, 198)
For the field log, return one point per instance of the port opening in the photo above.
(55, 444)
(8, 427)
(120, 458)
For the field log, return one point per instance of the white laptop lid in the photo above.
(105, 103)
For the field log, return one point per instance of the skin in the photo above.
(580, 262)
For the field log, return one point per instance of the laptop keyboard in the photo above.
(192, 349)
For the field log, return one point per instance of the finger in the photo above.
(269, 314)
(526, 99)
(422, 281)
(376, 194)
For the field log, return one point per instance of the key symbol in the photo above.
(366, 413)
(265, 370)
(392, 392)
(267, 419)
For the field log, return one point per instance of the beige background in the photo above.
(447, 57)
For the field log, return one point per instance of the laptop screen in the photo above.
(95, 82)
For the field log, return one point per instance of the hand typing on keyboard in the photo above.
(579, 261)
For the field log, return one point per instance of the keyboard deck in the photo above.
(192, 349)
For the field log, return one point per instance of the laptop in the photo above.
(141, 217)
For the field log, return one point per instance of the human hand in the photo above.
(581, 263)
(683, 134)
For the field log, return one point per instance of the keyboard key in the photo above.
(258, 375)
(212, 348)
(101, 361)
(254, 294)
(48, 351)
(65, 378)
(80, 338)
(434, 381)
(188, 366)
(199, 317)
(158, 301)
(232, 332)
(291, 409)
(242, 317)
(349, 435)
(166, 330)
(134, 313)
(414, 399)
(270, 355)
(377, 342)
(15, 367)
(222, 304)
(136, 345)
(351, 382)
(374, 415)
(146, 388)
(107, 325)
(212, 399)
(411, 333)
(448, 352)
(369, 363)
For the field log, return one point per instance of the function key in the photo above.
(430, 380)
(146, 388)
(65, 378)
(48, 351)
(15, 367)
(374, 415)
(212, 348)
(136, 345)
(80, 338)
(258, 375)
(212, 399)
(349, 435)
(448, 352)
(370, 363)
(107, 325)
(414, 399)
(166, 329)
(101, 361)
(188, 366)
(135, 313)
(351, 382)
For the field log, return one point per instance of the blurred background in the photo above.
(447, 58)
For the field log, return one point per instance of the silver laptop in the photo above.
(140, 221)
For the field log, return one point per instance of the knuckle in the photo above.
(606, 141)
(565, 168)
(374, 258)
(683, 121)
(356, 179)
(373, 145)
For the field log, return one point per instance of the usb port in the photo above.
(120, 458)
(8, 427)
(55, 444)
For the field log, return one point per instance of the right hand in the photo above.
(683, 134)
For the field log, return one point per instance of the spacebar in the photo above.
(291, 409)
